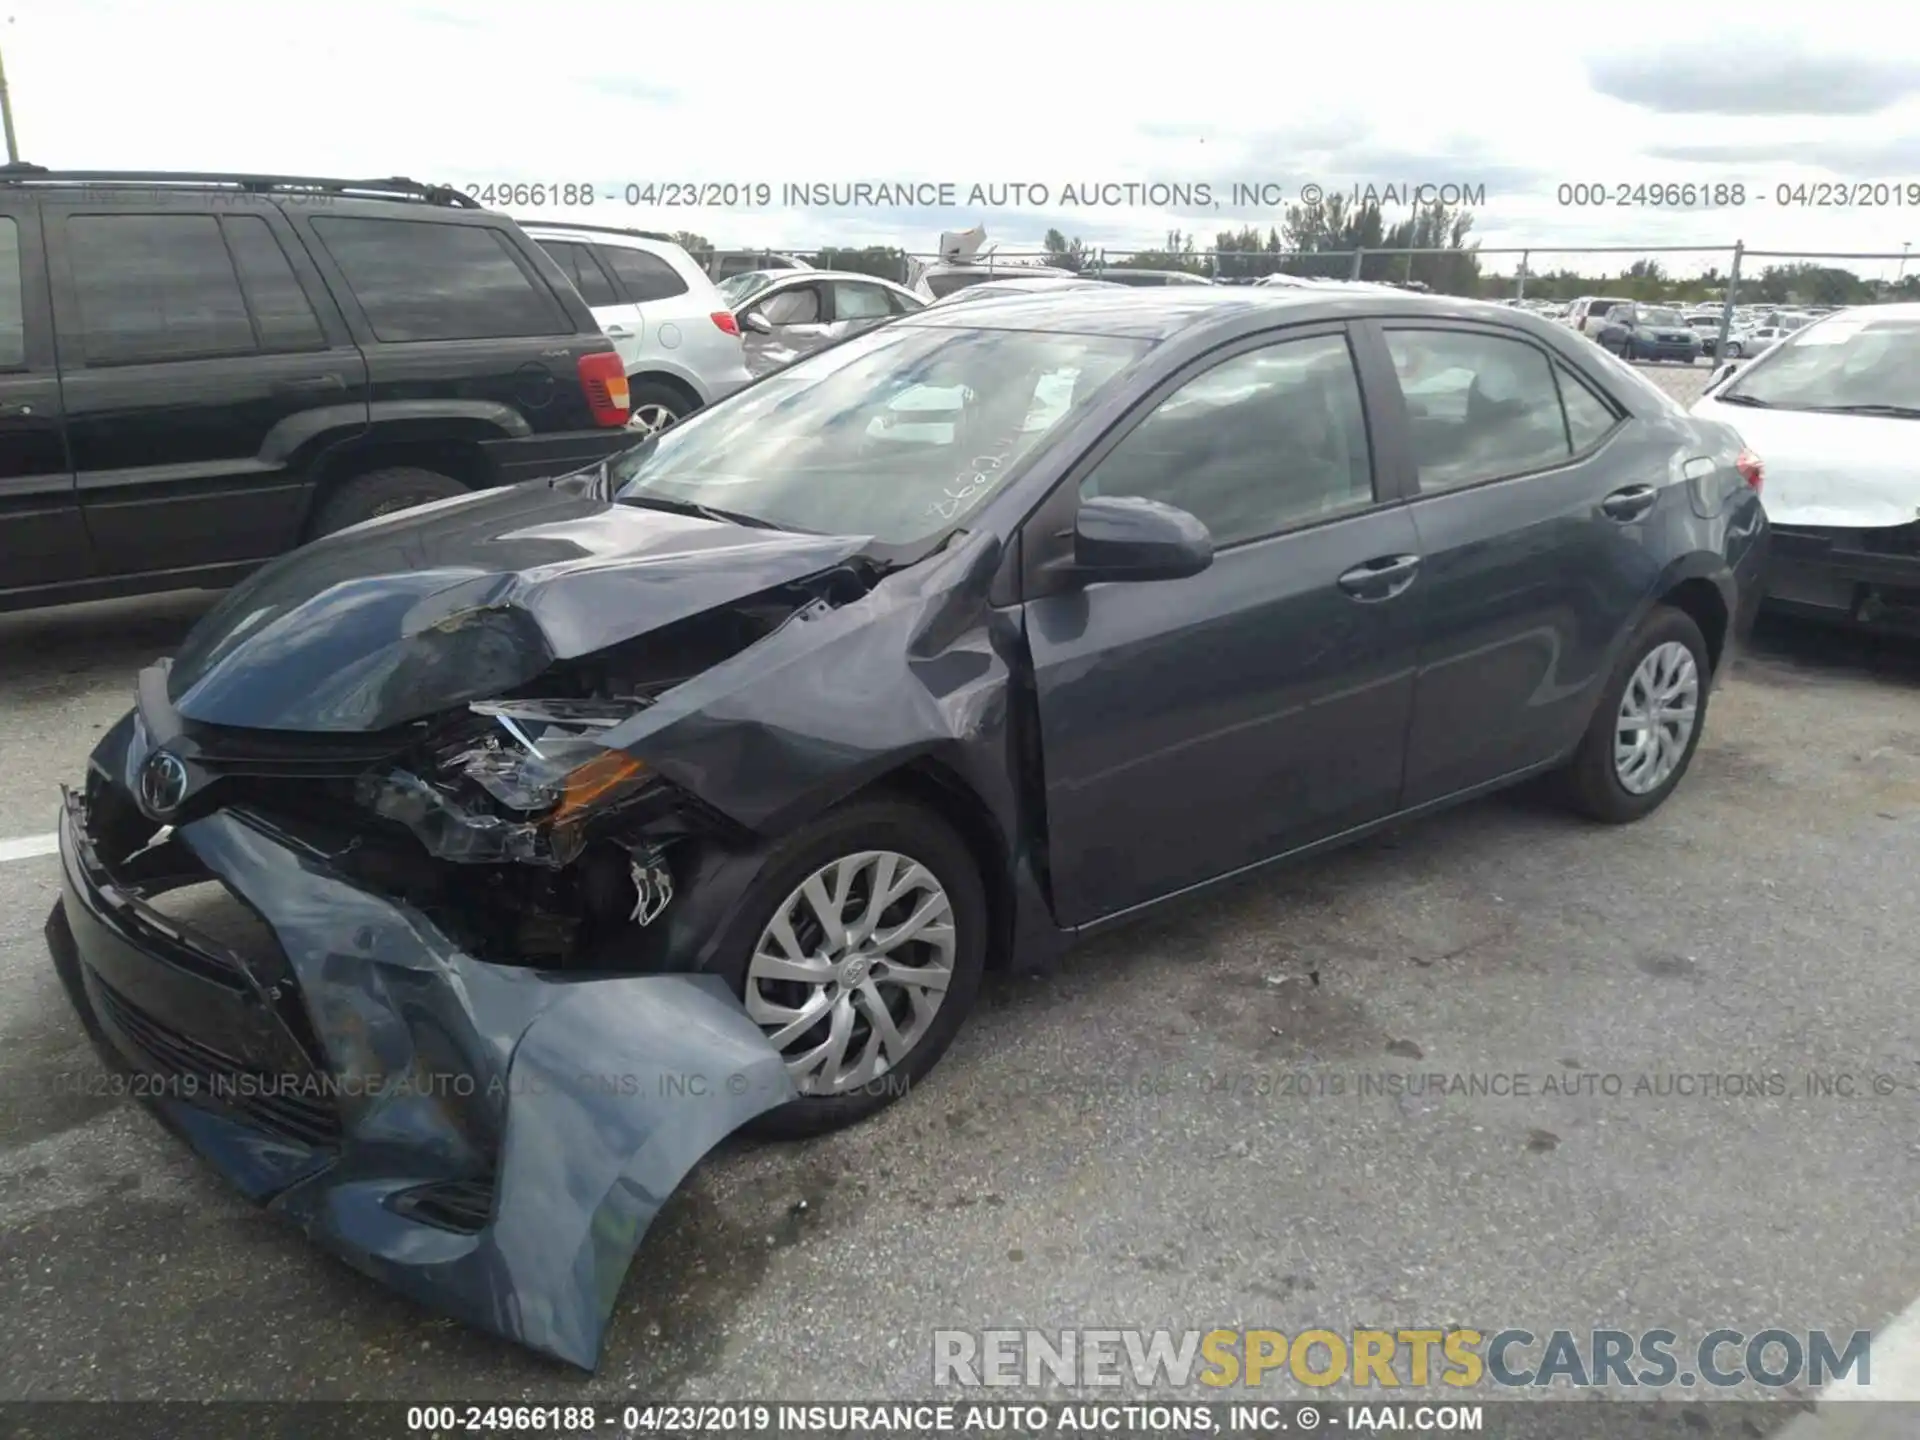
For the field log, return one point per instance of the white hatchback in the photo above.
(677, 337)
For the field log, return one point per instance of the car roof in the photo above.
(1160, 314)
(794, 277)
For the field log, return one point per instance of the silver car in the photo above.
(803, 310)
(677, 338)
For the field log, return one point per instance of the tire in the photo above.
(1733, 350)
(380, 492)
(1594, 783)
(650, 396)
(902, 829)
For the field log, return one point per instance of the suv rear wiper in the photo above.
(1903, 412)
(702, 512)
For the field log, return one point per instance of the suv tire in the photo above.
(656, 401)
(380, 492)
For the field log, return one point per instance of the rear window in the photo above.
(646, 275)
(576, 262)
(281, 311)
(427, 280)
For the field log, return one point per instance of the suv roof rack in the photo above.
(597, 229)
(395, 187)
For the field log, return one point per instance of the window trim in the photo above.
(20, 220)
(1046, 533)
(1499, 332)
(1561, 374)
(582, 251)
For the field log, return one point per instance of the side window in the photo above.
(798, 306)
(853, 301)
(155, 287)
(281, 311)
(576, 262)
(1269, 439)
(1589, 418)
(646, 276)
(1480, 406)
(904, 304)
(430, 280)
(13, 317)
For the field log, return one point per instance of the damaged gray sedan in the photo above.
(591, 819)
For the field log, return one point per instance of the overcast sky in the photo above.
(1520, 99)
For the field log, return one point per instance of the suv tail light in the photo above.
(724, 319)
(1751, 471)
(604, 378)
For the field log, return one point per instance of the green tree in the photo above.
(882, 260)
(697, 246)
(1065, 253)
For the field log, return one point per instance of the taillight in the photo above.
(724, 319)
(604, 379)
(1751, 471)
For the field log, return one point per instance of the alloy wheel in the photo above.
(649, 420)
(848, 975)
(1657, 715)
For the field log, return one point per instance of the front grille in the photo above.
(291, 1106)
(462, 1206)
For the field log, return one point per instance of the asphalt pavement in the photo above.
(1194, 1123)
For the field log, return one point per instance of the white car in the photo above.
(1833, 411)
(676, 336)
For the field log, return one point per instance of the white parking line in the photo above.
(28, 847)
(1895, 1376)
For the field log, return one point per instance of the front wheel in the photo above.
(1648, 723)
(858, 950)
(1733, 349)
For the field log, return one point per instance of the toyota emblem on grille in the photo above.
(163, 783)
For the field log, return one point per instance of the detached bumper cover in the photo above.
(492, 1141)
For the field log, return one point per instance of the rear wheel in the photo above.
(653, 407)
(381, 492)
(1648, 724)
(858, 950)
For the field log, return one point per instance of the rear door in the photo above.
(1532, 494)
(1194, 727)
(42, 539)
(198, 356)
(457, 320)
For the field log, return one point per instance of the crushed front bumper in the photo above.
(1867, 577)
(491, 1140)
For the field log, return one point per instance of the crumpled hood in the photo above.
(432, 607)
(1852, 471)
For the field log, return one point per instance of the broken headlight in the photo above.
(521, 792)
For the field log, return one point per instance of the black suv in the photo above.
(198, 372)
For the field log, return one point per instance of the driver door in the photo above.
(1193, 727)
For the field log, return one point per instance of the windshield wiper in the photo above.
(1744, 400)
(1903, 412)
(702, 512)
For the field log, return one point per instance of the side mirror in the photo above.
(757, 323)
(1121, 537)
(1722, 373)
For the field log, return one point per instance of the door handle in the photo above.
(8, 412)
(1382, 578)
(619, 332)
(309, 385)
(1630, 503)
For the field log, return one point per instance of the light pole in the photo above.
(1898, 275)
(6, 117)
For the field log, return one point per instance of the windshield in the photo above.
(1840, 363)
(736, 288)
(1660, 317)
(897, 434)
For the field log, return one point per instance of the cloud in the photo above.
(622, 87)
(1878, 158)
(1753, 76)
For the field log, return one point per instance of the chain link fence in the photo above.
(1731, 301)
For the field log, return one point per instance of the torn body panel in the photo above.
(492, 1140)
